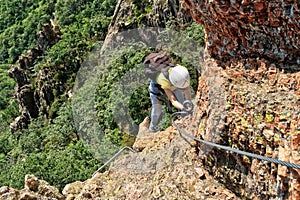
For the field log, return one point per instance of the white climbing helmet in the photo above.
(179, 77)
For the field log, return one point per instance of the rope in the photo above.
(114, 157)
(273, 160)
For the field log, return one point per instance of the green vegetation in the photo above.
(6, 87)
(51, 148)
(8, 106)
(51, 151)
(20, 21)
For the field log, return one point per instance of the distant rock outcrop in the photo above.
(138, 14)
(35, 189)
(34, 98)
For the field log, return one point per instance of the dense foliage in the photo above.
(51, 151)
(51, 148)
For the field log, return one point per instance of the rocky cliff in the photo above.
(251, 71)
(251, 30)
(35, 91)
(165, 167)
(257, 111)
(248, 98)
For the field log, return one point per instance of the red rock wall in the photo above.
(256, 111)
(246, 98)
(267, 29)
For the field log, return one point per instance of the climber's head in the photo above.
(179, 77)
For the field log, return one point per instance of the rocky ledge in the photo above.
(165, 166)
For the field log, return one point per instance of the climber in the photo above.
(166, 78)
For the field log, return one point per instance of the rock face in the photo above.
(131, 14)
(246, 99)
(135, 14)
(35, 189)
(255, 111)
(34, 98)
(244, 29)
(166, 168)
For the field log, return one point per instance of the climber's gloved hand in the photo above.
(188, 106)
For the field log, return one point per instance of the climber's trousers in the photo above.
(156, 113)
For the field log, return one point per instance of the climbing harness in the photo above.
(273, 160)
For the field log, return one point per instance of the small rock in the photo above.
(4, 190)
(73, 188)
(31, 182)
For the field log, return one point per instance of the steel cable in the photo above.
(252, 155)
(114, 157)
(182, 131)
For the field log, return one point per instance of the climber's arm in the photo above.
(171, 96)
(187, 94)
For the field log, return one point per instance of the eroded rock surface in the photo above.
(35, 189)
(255, 111)
(247, 30)
(245, 100)
(34, 99)
(249, 93)
(165, 168)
